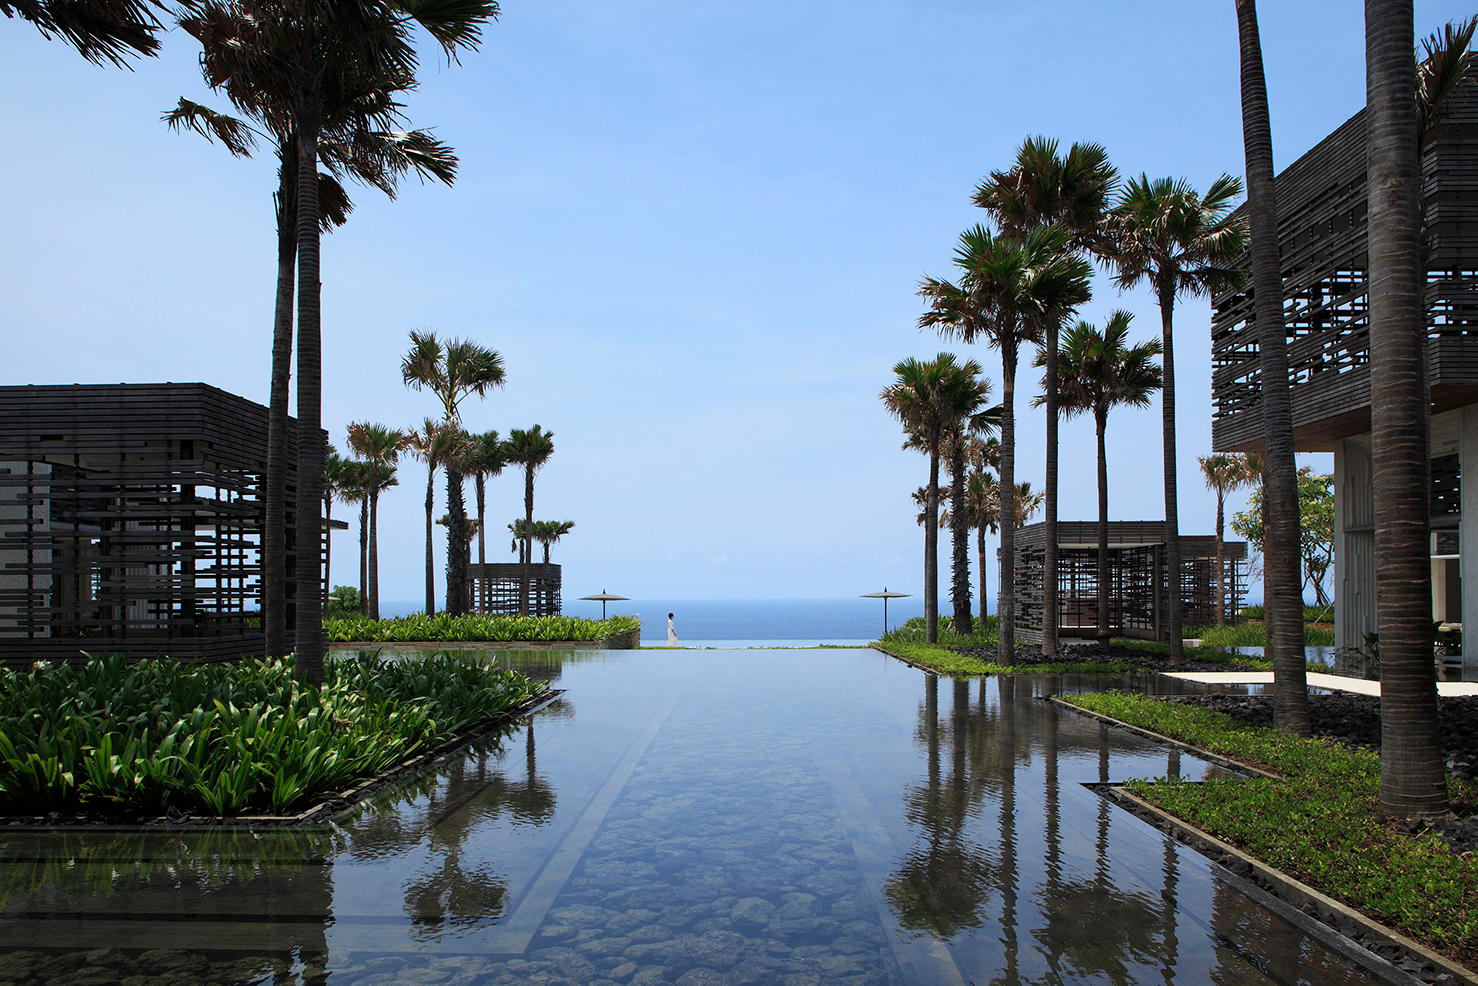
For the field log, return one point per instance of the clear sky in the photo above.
(692, 230)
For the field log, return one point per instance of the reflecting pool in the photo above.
(802, 817)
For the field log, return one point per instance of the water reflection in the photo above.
(818, 816)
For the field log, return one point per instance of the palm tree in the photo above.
(452, 371)
(531, 449)
(1027, 503)
(923, 397)
(982, 501)
(486, 456)
(1223, 474)
(433, 444)
(336, 475)
(1097, 372)
(548, 533)
(1413, 782)
(1183, 244)
(354, 142)
(1283, 595)
(353, 491)
(1072, 192)
(322, 51)
(380, 447)
(1007, 293)
(101, 32)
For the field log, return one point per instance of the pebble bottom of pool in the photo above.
(695, 818)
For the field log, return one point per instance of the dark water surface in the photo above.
(799, 817)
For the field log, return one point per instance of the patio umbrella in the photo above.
(885, 595)
(605, 597)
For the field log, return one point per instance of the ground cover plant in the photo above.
(445, 628)
(1320, 822)
(120, 738)
(1254, 634)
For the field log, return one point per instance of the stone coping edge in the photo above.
(322, 812)
(1302, 896)
(1225, 763)
(620, 641)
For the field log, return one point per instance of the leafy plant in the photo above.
(445, 628)
(1320, 822)
(115, 737)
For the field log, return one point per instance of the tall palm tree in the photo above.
(353, 491)
(530, 449)
(354, 142)
(1183, 244)
(921, 398)
(1007, 292)
(1027, 502)
(1223, 474)
(101, 32)
(548, 533)
(486, 456)
(433, 443)
(380, 447)
(1283, 595)
(1097, 372)
(324, 50)
(1071, 191)
(452, 371)
(1413, 782)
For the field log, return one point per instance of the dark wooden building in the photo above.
(1322, 235)
(497, 588)
(1139, 583)
(131, 520)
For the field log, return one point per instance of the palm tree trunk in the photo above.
(1173, 594)
(1006, 605)
(1283, 596)
(309, 633)
(482, 538)
(1100, 420)
(931, 544)
(959, 538)
(980, 550)
(1049, 559)
(528, 544)
(364, 555)
(374, 554)
(1413, 782)
(430, 556)
(1221, 581)
(456, 549)
(274, 523)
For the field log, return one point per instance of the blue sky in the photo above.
(693, 231)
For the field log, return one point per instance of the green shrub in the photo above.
(1254, 635)
(120, 738)
(1317, 824)
(444, 628)
(1312, 614)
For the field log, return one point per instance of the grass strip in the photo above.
(1317, 824)
(444, 628)
(943, 661)
(1253, 634)
(123, 739)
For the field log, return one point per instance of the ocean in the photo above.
(745, 622)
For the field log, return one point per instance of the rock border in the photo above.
(320, 815)
(1344, 920)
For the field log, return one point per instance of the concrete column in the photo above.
(1468, 538)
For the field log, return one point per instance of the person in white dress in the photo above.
(671, 632)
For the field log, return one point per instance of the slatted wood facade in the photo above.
(1138, 585)
(1321, 232)
(496, 588)
(131, 520)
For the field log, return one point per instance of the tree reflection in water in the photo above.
(1075, 924)
(437, 815)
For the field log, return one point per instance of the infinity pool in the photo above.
(800, 817)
